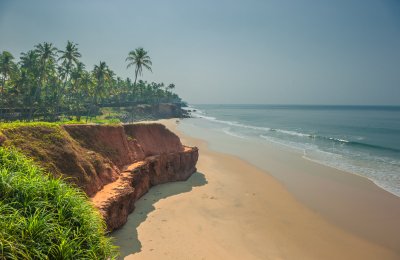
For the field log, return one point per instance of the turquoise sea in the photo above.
(363, 140)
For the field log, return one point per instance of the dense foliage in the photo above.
(48, 83)
(45, 218)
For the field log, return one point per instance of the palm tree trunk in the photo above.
(32, 101)
(3, 85)
(136, 74)
(134, 86)
(60, 92)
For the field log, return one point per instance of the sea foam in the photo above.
(348, 152)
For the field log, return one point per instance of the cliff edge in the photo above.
(113, 164)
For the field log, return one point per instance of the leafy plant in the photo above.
(45, 218)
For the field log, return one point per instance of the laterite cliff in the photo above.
(114, 164)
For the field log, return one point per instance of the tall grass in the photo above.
(45, 218)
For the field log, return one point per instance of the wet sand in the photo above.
(231, 209)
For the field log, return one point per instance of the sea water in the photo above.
(363, 140)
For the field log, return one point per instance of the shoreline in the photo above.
(229, 214)
(305, 157)
(353, 173)
(349, 201)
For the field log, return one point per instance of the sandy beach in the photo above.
(231, 209)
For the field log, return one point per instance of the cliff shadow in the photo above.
(127, 237)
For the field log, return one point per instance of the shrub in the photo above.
(45, 218)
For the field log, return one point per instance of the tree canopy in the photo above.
(48, 83)
(139, 59)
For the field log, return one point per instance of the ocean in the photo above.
(363, 140)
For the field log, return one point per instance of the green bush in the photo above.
(45, 218)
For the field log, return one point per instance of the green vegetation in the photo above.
(44, 218)
(50, 84)
(139, 59)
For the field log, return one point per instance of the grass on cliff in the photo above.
(44, 218)
(42, 141)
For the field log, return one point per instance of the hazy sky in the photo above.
(229, 51)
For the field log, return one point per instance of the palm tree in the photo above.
(52, 83)
(75, 94)
(69, 57)
(71, 54)
(103, 76)
(7, 67)
(46, 53)
(168, 92)
(171, 86)
(29, 61)
(100, 74)
(47, 58)
(30, 68)
(87, 91)
(139, 59)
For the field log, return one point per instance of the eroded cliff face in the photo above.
(163, 159)
(154, 138)
(114, 165)
(117, 199)
(55, 150)
(108, 140)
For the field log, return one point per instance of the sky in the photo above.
(342, 52)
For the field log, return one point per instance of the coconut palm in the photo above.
(46, 53)
(47, 58)
(49, 83)
(103, 76)
(171, 86)
(29, 61)
(75, 96)
(139, 59)
(71, 54)
(69, 58)
(29, 64)
(87, 85)
(7, 67)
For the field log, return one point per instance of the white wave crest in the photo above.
(293, 133)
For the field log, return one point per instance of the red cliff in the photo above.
(114, 164)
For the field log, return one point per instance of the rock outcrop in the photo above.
(114, 164)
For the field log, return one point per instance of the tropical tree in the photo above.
(103, 76)
(170, 86)
(46, 53)
(47, 83)
(139, 59)
(29, 63)
(69, 58)
(71, 54)
(47, 59)
(7, 67)
(75, 97)
(87, 91)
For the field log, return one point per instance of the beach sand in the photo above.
(230, 209)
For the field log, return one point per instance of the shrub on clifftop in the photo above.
(45, 218)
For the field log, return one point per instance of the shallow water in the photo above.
(364, 140)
